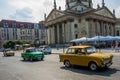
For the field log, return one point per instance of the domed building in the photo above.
(79, 19)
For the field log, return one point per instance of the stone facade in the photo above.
(15, 30)
(79, 19)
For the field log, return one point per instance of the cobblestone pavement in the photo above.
(15, 68)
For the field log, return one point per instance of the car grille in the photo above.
(107, 60)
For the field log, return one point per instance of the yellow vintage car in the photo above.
(8, 52)
(84, 55)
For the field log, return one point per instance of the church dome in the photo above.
(71, 3)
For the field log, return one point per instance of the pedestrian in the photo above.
(57, 46)
(116, 46)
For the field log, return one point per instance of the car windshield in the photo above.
(7, 50)
(41, 47)
(91, 50)
(45, 47)
(31, 50)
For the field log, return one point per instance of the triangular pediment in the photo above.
(104, 12)
(54, 14)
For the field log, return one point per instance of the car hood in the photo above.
(101, 55)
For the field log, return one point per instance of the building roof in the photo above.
(17, 23)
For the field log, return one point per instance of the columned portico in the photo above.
(79, 21)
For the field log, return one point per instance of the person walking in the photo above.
(116, 46)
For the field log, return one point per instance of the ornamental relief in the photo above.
(54, 15)
(104, 12)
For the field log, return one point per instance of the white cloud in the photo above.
(22, 14)
(118, 12)
(37, 8)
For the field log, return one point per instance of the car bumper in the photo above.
(107, 64)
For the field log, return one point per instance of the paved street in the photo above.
(14, 68)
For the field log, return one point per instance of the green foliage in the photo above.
(11, 44)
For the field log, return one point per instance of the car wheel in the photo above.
(25, 59)
(93, 66)
(67, 63)
(31, 59)
(41, 59)
(4, 54)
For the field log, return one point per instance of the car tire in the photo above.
(67, 63)
(41, 59)
(31, 59)
(93, 66)
(4, 54)
(25, 59)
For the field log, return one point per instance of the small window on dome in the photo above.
(78, 0)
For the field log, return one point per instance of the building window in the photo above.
(118, 33)
(5, 24)
(29, 26)
(75, 25)
(76, 36)
(79, 1)
(81, 9)
(75, 9)
(14, 24)
(21, 25)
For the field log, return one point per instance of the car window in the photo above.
(80, 51)
(46, 47)
(31, 50)
(70, 51)
(91, 50)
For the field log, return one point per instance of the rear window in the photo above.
(70, 51)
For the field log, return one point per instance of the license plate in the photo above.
(109, 64)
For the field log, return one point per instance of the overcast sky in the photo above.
(33, 10)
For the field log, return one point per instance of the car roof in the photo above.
(80, 46)
(30, 48)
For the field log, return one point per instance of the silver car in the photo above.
(46, 49)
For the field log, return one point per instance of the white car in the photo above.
(46, 49)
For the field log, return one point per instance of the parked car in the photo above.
(86, 56)
(31, 54)
(8, 52)
(45, 49)
(2, 49)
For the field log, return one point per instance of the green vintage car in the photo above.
(32, 54)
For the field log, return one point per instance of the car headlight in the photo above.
(103, 60)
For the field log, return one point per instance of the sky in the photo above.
(34, 10)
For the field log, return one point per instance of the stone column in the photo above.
(63, 32)
(113, 29)
(70, 20)
(58, 34)
(66, 32)
(47, 36)
(53, 34)
(50, 29)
